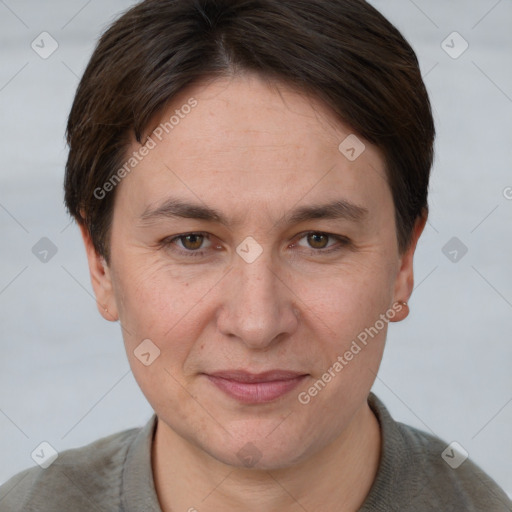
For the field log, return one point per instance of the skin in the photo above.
(255, 153)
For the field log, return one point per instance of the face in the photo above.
(246, 241)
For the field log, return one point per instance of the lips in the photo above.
(269, 376)
(256, 388)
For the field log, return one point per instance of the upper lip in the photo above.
(268, 376)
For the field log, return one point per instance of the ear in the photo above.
(404, 283)
(100, 278)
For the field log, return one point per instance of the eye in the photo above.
(317, 240)
(188, 244)
(192, 242)
(321, 242)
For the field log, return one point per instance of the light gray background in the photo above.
(64, 377)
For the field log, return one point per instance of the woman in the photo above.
(250, 178)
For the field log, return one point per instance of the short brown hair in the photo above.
(344, 52)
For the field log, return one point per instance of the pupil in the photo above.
(195, 241)
(317, 239)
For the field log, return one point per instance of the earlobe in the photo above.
(401, 311)
(404, 283)
(101, 278)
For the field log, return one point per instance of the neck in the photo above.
(338, 478)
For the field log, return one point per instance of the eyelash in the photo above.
(168, 242)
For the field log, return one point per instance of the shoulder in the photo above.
(448, 478)
(419, 472)
(86, 478)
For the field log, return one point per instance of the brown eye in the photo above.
(323, 244)
(318, 240)
(196, 245)
(192, 242)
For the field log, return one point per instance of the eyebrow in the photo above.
(174, 208)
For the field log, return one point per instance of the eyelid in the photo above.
(206, 236)
(343, 241)
(170, 241)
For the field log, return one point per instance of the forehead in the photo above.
(251, 109)
(249, 141)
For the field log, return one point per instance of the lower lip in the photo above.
(256, 392)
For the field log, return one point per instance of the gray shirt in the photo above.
(114, 474)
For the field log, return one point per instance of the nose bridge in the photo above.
(257, 283)
(258, 308)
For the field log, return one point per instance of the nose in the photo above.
(258, 306)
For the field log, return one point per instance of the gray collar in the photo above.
(138, 487)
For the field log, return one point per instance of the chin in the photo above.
(259, 454)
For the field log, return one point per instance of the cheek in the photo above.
(345, 319)
(157, 298)
(165, 310)
(346, 298)
(344, 315)
(171, 310)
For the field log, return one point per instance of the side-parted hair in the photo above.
(343, 52)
